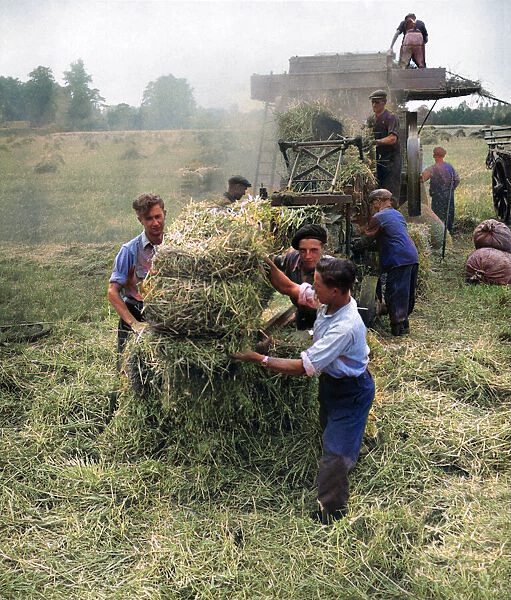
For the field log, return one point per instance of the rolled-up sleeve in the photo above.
(307, 365)
(123, 262)
(307, 296)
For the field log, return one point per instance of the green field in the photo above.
(100, 505)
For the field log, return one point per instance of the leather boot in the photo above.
(333, 488)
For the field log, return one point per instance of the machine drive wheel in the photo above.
(368, 304)
(501, 188)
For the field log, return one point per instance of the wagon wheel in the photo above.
(23, 332)
(368, 303)
(501, 188)
(413, 170)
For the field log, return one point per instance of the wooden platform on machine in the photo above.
(357, 73)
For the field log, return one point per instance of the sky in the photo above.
(217, 46)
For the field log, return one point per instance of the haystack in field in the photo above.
(204, 300)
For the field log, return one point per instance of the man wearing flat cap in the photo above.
(399, 259)
(237, 187)
(385, 126)
(299, 263)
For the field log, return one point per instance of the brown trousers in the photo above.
(413, 47)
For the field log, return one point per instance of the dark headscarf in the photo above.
(315, 232)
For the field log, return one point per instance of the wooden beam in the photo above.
(294, 199)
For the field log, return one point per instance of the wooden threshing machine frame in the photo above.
(313, 180)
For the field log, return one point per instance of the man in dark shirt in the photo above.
(399, 259)
(237, 187)
(299, 264)
(403, 28)
(385, 126)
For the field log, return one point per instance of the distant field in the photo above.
(88, 198)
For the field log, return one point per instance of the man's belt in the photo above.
(132, 302)
(333, 379)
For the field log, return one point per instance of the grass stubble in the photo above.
(95, 505)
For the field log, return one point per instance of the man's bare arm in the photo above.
(281, 282)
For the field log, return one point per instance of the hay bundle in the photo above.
(189, 181)
(204, 300)
(421, 238)
(432, 221)
(212, 178)
(132, 154)
(206, 280)
(199, 308)
(301, 121)
(201, 179)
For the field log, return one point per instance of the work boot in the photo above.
(333, 488)
(325, 518)
(397, 329)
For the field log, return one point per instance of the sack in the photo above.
(492, 234)
(488, 265)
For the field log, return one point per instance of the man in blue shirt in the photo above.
(132, 264)
(399, 259)
(339, 356)
(443, 181)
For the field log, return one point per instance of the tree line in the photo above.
(497, 114)
(167, 103)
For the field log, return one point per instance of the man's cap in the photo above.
(239, 179)
(381, 193)
(308, 232)
(377, 94)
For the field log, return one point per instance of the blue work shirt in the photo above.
(443, 179)
(340, 348)
(396, 247)
(137, 253)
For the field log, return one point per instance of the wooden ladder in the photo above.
(267, 152)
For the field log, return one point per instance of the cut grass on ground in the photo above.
(90, 510)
